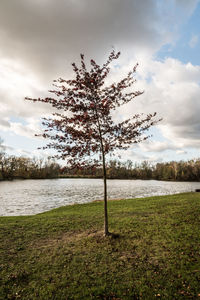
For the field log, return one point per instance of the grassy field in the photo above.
(62, 254)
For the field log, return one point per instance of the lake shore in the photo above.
(62, 254)
(94, 177)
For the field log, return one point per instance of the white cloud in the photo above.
(4, 147)
(181, 152)
(15, 85)
(28, 128)
(157, 146)
(172, 89)
(174, 92)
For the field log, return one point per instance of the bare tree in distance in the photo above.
(82, 130)
(2, 148)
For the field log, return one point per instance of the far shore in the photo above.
(93, 177)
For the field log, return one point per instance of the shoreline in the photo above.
(88, 177)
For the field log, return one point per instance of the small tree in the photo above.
(83, 131)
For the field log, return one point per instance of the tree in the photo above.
(83, 127)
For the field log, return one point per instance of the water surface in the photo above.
(27, 197)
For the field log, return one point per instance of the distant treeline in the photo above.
(12, 167)
(176, 171)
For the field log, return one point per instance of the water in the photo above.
(27, 197)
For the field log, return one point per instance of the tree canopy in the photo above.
(84, 126)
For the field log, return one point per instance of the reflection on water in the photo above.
(26, 197)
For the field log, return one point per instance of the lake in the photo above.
(27, 197)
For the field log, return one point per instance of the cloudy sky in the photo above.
(41, 38)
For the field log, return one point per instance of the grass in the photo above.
(62, 254)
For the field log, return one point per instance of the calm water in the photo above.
(26, 197)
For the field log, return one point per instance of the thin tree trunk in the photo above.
(106, 232)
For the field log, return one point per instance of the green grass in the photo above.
(62, 254)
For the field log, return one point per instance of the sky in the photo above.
(39, 39)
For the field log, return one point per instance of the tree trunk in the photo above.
(106, 232)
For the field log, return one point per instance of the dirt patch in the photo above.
(66, 238)
(113, 199)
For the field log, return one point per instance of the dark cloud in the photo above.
(4, 123)
(47, 35)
